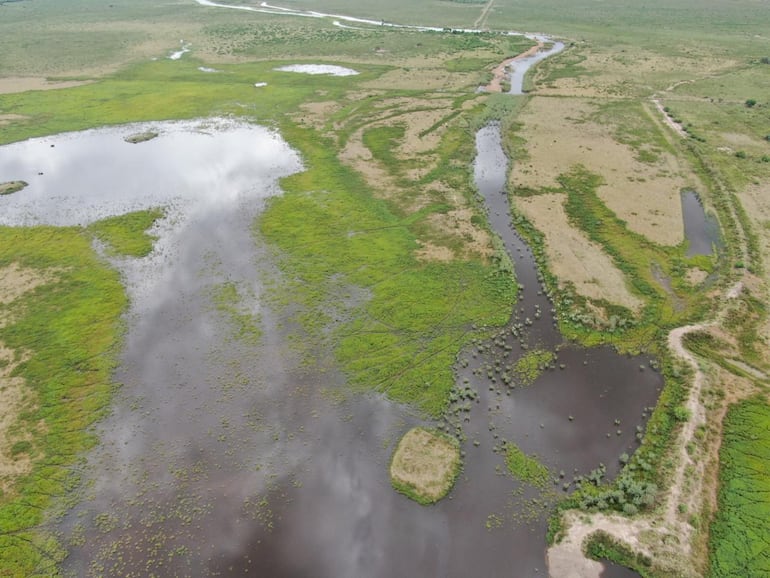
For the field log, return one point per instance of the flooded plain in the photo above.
(223, 456)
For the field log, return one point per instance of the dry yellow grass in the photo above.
(606, 71)
(15, 281)
(15, 398)
(560, 135)
(453, 227)
(573, 256)
(425, 465)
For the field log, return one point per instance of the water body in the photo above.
(700, 229)
(568, 418)
(519, 68)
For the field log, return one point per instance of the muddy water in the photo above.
(224, 458)
(700, 229)
(519, 68)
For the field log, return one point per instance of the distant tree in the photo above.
(750, 102)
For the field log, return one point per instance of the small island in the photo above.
(141, 137)
(425, 465)
(12, 187)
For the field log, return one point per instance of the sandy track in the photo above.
(666, 525)
(481, 21)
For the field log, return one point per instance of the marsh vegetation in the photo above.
(272, 347)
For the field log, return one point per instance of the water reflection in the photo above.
(700, 229)
(78, 178)
(519, 68)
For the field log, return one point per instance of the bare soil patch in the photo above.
(574, 257)
(15, 398)
(605, 71)
(560, 135)
(15, 281)
(452, 228)
(9, 118)
(426, 463)
(11, 84)
(756, 201)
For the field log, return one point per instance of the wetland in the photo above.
(341, 295)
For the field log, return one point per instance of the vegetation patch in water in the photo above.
(529, 367)
(141, 137)
(11, 187)
(126, 235)
(526, 468)
(425, 465)
(246, 325)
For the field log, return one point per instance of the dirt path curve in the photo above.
(500, 71)
(667, 525)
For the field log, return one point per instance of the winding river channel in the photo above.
(224, 459)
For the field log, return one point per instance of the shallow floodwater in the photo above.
(700, 229)
(222, 457)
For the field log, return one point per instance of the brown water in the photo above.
(224, 458)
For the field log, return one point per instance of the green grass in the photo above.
(526, 468)
(336, 237)
(739, 533)
(126, 235)
(70, 329)
(530, 365)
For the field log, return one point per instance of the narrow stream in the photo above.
(700, 228)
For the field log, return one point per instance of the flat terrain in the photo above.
(268, 377)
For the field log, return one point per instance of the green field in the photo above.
(739, 535)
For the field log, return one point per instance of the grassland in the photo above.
(62, 336)
(742, 524)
